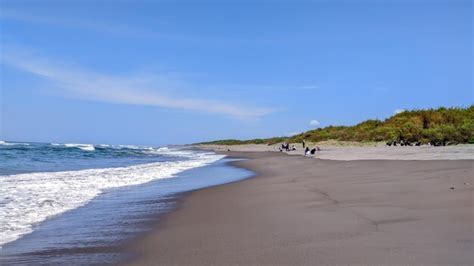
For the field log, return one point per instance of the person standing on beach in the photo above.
(304, 144)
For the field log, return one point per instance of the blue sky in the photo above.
(164, 72)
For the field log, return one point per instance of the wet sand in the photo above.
(305, 211)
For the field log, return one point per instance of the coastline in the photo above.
(95, 233)
(299, 210)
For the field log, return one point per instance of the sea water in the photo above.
(58, 199)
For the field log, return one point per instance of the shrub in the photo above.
(453, 125)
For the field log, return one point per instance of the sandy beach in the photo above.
(351, 151)
(306, 211)
(317, 132)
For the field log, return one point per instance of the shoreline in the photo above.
(128, 247)
(298, 210)
(130, 210)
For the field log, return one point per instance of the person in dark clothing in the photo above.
(304, 144)
(314, 150)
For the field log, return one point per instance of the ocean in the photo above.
(59, 200)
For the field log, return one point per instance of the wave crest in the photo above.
(84, 147)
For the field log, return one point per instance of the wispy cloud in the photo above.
(63, 22)
(274, 88)
(120, 28)
(135, 90)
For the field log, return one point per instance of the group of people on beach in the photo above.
(286, 147)
(403, 142)
(307, 151)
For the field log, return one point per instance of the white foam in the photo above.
(131, 147)
(170, 151)
(87, 147)
(103, 145)
(84, 147)
(12, 143)
(28, 199)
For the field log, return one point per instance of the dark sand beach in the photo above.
(304, 211)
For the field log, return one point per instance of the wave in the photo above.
(28, 199)
(13, 143)
(84, 147)
(89, 147)
(92, 147)
(120, 147)
(102, 146)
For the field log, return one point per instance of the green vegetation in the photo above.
(443, 125)
(249, 141)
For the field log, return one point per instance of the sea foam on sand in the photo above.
(29, 198)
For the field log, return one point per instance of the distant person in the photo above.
(304, 144)
(314, 150)
(306, 151)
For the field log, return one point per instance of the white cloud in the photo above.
(398, 111)
(134, 90)
(98, 25)
(68, 22)
(271, 88)
(314, 123)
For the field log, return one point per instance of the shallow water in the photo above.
(42, 180)
(88, 234)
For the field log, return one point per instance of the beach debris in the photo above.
(452, 187)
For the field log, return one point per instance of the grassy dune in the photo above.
(443, 125)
